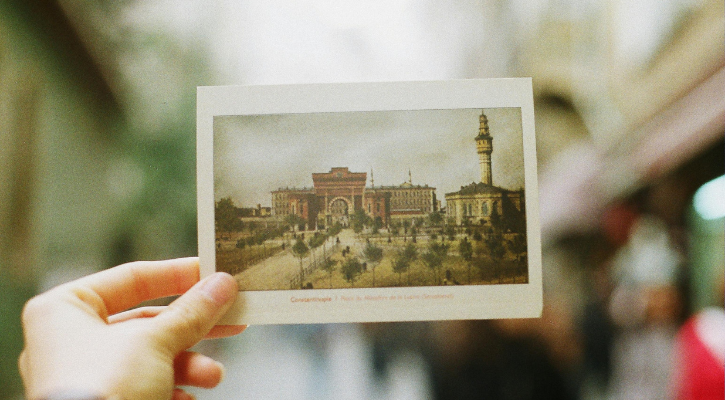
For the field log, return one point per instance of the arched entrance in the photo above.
(338, 211)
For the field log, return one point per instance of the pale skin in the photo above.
(82, 337)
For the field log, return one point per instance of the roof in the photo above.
(480, 188)
(293, 190)
(405, 185)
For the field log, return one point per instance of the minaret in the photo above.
(484, 146)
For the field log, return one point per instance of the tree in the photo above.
(450, 231)
(465, 249)
(434, 257)
(433, 262)
(335, 229)
(359, 220)
(373, 254)
(435, 218)
(517, 246)
(377, 224)
(329, 267)
(483, 266)
(495, 219)
(496, 251)
(410, 252)
(316, 241)
(440, 249)
(351, 269)
(226, 218)
(294, 220)
(400, 265)
(300, 251)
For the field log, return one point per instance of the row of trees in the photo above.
(226, 216)
(486, 256)
(301, 249)
(496, 247)
(432, 258)
(227, 219)
(436, 253)
(352, 267)
(372, 255)
(259, 237)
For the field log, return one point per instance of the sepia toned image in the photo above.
(365, 202)
(371, 199)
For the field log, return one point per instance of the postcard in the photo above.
(365, 202)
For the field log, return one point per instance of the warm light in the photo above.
(709, 199)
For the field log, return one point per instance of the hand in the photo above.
(78, 336)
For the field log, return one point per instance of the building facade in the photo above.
(338, 194)
(408, 201)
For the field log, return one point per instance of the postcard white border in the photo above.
(372, 304)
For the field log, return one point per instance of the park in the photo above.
(421, 252)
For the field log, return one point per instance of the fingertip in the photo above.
(220, 287)
(194, 369)
(193, 315)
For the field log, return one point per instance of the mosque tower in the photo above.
(484, 146)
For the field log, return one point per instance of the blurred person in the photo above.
(82, 340)
(502, 359)
(645, 305)
(700, 353)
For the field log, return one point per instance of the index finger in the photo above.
(127, 285)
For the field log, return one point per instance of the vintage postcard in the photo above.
(371, 202)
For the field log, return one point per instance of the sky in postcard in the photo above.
(254, 155)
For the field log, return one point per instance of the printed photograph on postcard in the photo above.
(371, 202)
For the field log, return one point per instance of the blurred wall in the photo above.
(97, 106)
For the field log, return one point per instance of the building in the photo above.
(338, 194)
(408, 201)
(254, 212)
(480, 203)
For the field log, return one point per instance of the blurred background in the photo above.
(97, 167)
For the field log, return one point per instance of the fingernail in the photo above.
(219, 287)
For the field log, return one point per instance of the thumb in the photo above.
(190, 317)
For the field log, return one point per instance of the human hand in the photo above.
(79, 338)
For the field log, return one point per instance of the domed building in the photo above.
(483, 203)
